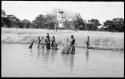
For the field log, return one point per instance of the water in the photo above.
(19, 61)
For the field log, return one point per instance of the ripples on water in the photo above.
(19, 61)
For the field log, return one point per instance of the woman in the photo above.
(47, 42)
(72, 45)
(69, 48)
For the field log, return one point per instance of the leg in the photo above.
(38, 46)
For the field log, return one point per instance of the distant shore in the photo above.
(98, 40)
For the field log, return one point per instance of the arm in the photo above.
(35, 40)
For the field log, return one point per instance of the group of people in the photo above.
(45, 42)
(69, 48)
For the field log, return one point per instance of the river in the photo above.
(19, 61)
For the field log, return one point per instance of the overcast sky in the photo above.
(88, 10)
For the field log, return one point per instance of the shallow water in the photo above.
(19, 61)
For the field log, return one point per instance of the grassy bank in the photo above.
(104, 40)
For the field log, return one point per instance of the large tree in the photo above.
(92, 24)
(78, 22)
(39, 22)
(14, 21)
(3, 18)
(50, 21)
(25, 24)
(114, 25)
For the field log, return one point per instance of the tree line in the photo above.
(49, 21)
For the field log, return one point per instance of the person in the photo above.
(47, 41)
(43, 42)
(88, 42)
(72, 45)
(69, 48)
(39, 42)
(31, 44)
(53, 44)
(66, 47)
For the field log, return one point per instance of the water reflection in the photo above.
(88, 62)
(46, 56)
(65, 59)
(71, 61)
(43, 56)
(87, 55)
(87, 58)
(31, 51)
(68, 60)
(53, 54)
(38, 52)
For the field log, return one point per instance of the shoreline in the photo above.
(93, 48)
(98, 40)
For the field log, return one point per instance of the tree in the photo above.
(78, 22)
(50, 21)
(114, 25)
(3, 13)
(92, 24)
(14, 21)
(3, 18)
(119, 24)
(39, 22)
(25, 24)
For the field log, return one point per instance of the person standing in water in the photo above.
(39, 42)
(53, 42)
(42, 42)
(88, 42)
(72, 45)
(31, 44)
(47, 41)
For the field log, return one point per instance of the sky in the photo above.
(88, 10)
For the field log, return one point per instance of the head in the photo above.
(47, 34)
(38, 37)
(88, 37)
(72, 36)
(53, 36)
(42, 37)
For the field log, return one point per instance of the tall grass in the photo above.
(97, 39)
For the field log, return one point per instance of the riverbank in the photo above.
(98, 40)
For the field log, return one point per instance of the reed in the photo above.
(97, 39)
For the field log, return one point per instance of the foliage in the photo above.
(92, 24)
(25, 24)
(115, 25)
(78, 23)
(39, 22)
(71, 22)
